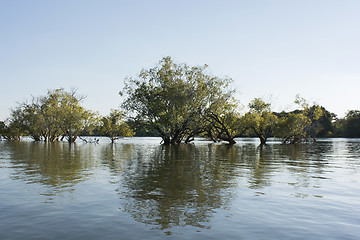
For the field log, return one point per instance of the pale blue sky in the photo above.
(270, 48)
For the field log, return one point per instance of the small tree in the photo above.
(260, 120)
(56, 114)
(224, 122)
(113, 126)
(300, 125)
(12, 130)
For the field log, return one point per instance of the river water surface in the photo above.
(139, 189)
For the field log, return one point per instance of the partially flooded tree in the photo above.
(260, 120)
(29, 117)
(114, 126)
(172, 98)
(11, 130)
(56, 114)
(224, 122)
(300, 125)
(74, 117)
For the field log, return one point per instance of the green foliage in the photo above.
(292, 128)
(11, 130)
(300, 125)
(173, 98)
(113, 126)
(56, 114)
(224, 124)
(260, 120)
(351, 124)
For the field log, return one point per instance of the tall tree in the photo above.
(173, 98)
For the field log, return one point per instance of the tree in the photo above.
(223, 120)
(2, 129)
(11, 130)
(300, 125)
(291, 128)
(56, 114)
(326, 123)
(173, 98)
(74, 117)
(29, 117)
(352, 124)
(260, 120)
(113, 126)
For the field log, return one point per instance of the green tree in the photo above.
(11, 130)
(56, 114)
(260, 120)
(223, 120)
(352, 124)
(113, 126)
(300, 125)
(326, 123)
(173, 98)
(74, 117)
(29, 117)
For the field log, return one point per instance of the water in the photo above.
(139, 189)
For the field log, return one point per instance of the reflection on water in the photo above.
(177, 185)
(54, 164)
(195, 186)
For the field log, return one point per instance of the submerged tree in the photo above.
(223, 119)
(74, 117)
(11, 130)
(173, 98)
(56, 114)
(113, 126)
(300, 125)
(260, 120)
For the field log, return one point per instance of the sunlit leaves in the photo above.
(173, 98)
(113, 126)
(260, 120)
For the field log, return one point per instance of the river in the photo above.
(139, 189)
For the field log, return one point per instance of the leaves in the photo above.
(173, 98)
(113, 126)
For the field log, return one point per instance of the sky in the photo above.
(274, 49)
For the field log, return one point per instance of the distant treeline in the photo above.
(175, 102)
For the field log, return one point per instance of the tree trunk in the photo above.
(262, 140)
(166, 140)
(230, 140)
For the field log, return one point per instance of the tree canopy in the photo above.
(113, 126)
(176, 102)
(260, 120)
(174, 98)
(49, 117)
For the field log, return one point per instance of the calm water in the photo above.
(138, 189)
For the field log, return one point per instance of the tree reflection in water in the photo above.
(168, 186)
(55, 165)
(179, 185)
